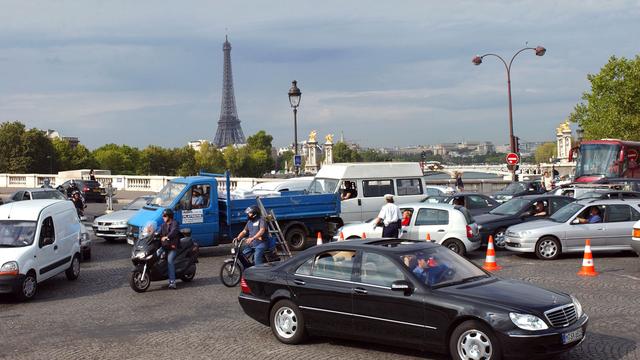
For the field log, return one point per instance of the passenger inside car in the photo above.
(540, 209)
(428, 270)
(594, 216)
(406, 217)
(458, 201)
(349, 191)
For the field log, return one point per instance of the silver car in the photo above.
(607, 223)
(114, 226)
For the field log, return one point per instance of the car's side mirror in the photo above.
(402, 286)
(47, 241)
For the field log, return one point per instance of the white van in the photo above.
(38, 240)
(273, 187)
(371, 182)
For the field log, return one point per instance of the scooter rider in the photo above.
(256, 228)
(170, 238)
(78, 203)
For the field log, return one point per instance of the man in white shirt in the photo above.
(390, 217)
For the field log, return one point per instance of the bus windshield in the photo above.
(598, 160)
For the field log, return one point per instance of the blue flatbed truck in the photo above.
(220, 218)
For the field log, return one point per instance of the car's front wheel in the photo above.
(473, 340)
(287, 322)
(26, 289)
(499, 238)
(548, 248)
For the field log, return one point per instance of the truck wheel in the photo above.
(296, 239)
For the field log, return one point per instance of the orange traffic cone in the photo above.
(587, 262)
(490, 261)
(364, 235)
(341, 237)
(319, 241)
(428, 237)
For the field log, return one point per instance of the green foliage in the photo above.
(612, 108)
(120, 159)
(343, 153)
(209, 159)
(68, 158)
(544, 152)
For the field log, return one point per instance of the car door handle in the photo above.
(359, 202)
(299, 282)
(601, 229)
(360, 291)
(55, 247)
(441, 230)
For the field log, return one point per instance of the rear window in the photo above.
(467, 215)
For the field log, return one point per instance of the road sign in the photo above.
(297, 160)
(512, 158)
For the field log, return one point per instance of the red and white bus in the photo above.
(611, 158)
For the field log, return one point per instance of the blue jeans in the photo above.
(170, 262)
(257, 251)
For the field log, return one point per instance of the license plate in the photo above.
(103, 228)
(572, 336)
(130, 241)
(96, 190)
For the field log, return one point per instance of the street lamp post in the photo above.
(294, 99)
(477, 60)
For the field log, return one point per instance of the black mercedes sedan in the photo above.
(409, 293)
(516, 211)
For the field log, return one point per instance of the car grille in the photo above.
(562, 316)
(103, 223)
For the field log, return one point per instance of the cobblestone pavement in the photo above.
(100, 317)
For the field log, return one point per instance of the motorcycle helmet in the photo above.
(252, 212)
(75, 192)
(168, 213)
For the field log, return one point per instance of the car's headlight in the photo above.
(9, 268)
(141, 255)
(120, 223)
(528, 322)
(95, 222)
(578, 306)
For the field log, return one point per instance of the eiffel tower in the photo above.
(229, 131)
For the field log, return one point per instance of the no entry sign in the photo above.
(512, 158)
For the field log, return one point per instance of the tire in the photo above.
(189, 276)
(228, 278)
(499, 233)
(287, 322)
(474, 340)
(296, 238)
(86, 254)
(74, 269)
(137, 283)
(27, 288)
(456, 246)
(548, 248)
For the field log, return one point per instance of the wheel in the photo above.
(188, 277)
(86, 254)
(296, 239)
(455, 245)
(498, 238)
(548, 248)
(74, 270)
(287, 322)
(26, 289)
(230, 275)
(473, 340)
(138, 282)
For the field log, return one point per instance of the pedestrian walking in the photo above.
(547, 181)
(459, 183)
(92, 176)
(390, 217)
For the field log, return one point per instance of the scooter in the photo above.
(232, 268)
(148, 267)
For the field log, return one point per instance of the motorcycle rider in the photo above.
(170, 238)
(73, 187)
(256, 228)
(78, 203)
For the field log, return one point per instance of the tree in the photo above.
(259, 148)
(612, 107)
(12, 159)
(38, 152)
(120, 159)
(343, 153)
(544, 152)
(209, 159)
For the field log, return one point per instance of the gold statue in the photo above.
(329, 139)
(564, 127)
(312, 136)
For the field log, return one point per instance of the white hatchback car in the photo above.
(38, 240)
(449, 225)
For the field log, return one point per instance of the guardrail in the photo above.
(484, 186)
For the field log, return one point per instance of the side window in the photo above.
(558, 203)
(379, 270)
(17, 196)
(476, 202)
(635, 215)
(185, 201)
(377, 188)
(617, 213)
(47, 231)
(26, 196)
(200, 196)
(409, 186)
(331, 265)
(432, 217)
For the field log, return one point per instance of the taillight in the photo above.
(85, 189)
(469, 232)
(636, 233)
(244, 288)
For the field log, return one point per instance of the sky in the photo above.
(384, 73)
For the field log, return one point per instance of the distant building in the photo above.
(196, 144)
(54, 134)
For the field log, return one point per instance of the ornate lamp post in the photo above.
(477, 60)
(294, 99)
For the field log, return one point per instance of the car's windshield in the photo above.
(47, 195)
(510, 207)
(565, 213)
(17, 233)
(137, 204)
(323, 186)
(598, 159)
(439, 266)
(515, 187)
(591, 195)
(168, 193)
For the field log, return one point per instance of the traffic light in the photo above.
(516, 144)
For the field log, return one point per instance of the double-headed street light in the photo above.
(294, 99)
(477, 60)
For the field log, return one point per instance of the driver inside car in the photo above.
(428, 270)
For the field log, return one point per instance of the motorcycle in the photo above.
(148, 266)
(232, 268)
